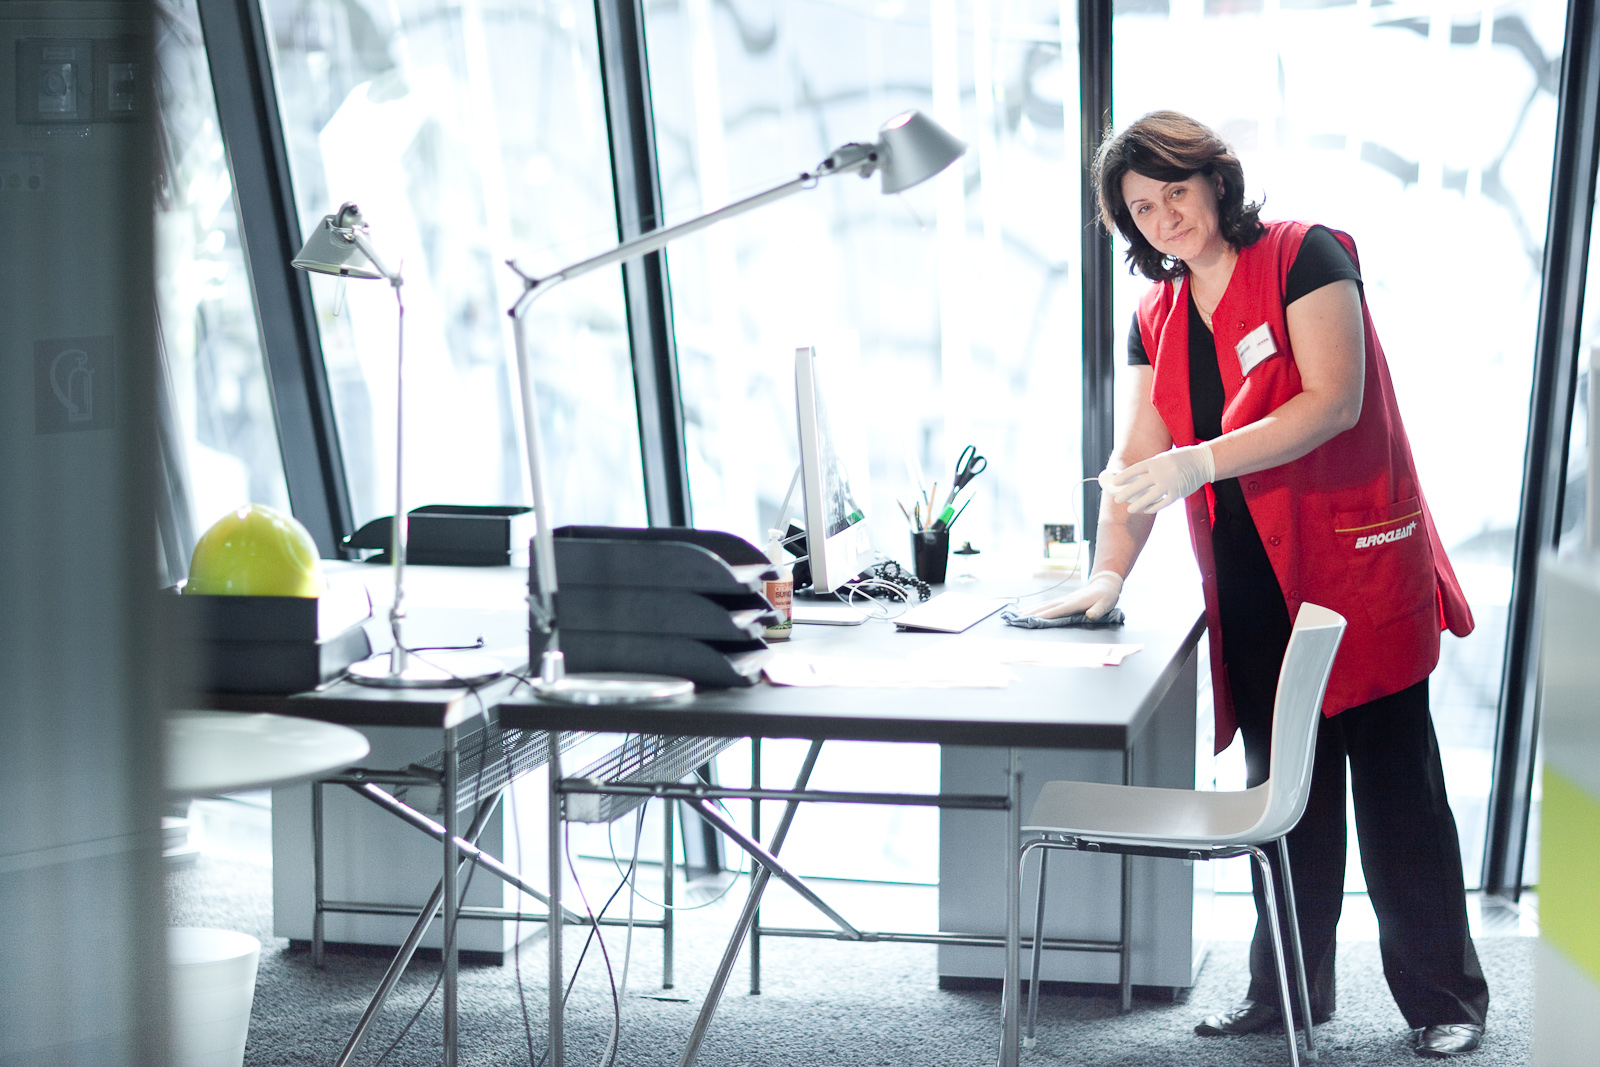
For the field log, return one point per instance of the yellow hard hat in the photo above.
(255, 551)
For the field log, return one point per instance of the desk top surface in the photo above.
(1047, 707)
(350, 704)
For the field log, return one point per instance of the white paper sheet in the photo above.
(974, 650)
(912, 673)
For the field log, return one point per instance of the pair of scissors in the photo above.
(968, 466)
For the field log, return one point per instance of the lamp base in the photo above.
(443, 670)
(614, 688)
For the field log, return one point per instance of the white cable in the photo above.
(610, 1055)
(632, 878)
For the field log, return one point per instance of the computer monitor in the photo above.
(832, 469)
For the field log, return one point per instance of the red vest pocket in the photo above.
(1391, 571)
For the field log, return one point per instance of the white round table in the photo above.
(211, 752)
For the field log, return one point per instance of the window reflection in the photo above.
(1427, 134)
(218, 427)
(469, 133)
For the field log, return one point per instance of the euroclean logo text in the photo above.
(1374, 540)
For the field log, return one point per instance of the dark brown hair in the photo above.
(1168, 146)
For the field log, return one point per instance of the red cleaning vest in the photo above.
(1345, 525)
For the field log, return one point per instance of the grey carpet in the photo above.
(823, 1003)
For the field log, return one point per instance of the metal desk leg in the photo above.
(447, 786)
(1010, 1010)
(755, 832)
(402, 958)
(747, 918)
(1125, 915)
(317, 889)
(555, 929)
(669, 869)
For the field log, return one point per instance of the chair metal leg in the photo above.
(319, 896)
(1277, 947)
(1294, 943)
(1011, 1038)
(1038, 953)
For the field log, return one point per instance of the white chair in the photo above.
(1199, 825)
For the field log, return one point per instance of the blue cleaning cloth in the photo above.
(1110, 619)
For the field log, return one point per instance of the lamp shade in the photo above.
(331, 250)
(916, 148)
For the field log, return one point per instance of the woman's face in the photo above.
(1179, 218)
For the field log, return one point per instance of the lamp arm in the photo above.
(542, 603)
(847, 159)
(359, 239)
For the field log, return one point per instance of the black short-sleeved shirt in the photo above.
(1321, 260)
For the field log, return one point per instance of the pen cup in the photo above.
(930, 553)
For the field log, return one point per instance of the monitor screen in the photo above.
(832, 471)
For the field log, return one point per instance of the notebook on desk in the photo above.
(949, 613)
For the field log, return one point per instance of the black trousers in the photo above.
(1410, 852)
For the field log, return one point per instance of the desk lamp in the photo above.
(911, 148)
(340, 246)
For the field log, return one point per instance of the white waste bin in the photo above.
(213, 981)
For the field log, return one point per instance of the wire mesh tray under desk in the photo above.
(641, 760)
(487, 760)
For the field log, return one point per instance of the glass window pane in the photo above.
(469, 133)
(222, 425)
(962, 294)
(959, 292)
(1446, 197)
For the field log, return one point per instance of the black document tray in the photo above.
(660, 611)
(273, 644)
(662, 600)
(696, 561)
(714, 664)
(278, 666)
(451, 535)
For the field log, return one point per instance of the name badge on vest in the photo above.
(1256, 346)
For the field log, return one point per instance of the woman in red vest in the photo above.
(1263, 401)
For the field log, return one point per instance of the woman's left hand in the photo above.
(1148, 486)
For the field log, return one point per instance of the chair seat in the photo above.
(1142, 814)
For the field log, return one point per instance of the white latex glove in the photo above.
(1149, 486)
(1094, 598)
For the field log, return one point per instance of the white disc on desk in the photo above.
(614, 688)
(441, 670)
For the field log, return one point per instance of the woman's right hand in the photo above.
(1094, 598)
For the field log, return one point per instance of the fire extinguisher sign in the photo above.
(74, 384)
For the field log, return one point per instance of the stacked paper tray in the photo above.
(664, 600)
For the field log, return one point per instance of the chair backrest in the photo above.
(1295, 715)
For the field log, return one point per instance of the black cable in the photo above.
(594, 932)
